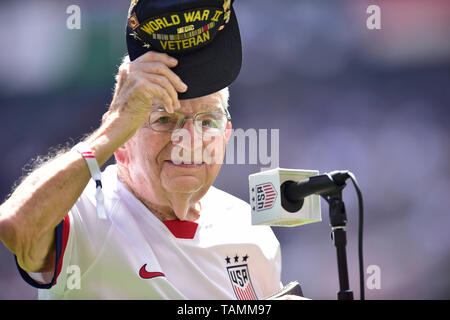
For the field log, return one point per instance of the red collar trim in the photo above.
(182, 229)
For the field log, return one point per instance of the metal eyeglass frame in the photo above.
(182, 122)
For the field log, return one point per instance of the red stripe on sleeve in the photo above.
(65, 239)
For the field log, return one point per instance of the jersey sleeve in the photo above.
(79, 239)
(40, 280)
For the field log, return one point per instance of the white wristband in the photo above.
(96, 175)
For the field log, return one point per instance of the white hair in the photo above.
(225, 96)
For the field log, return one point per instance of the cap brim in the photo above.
(209, 69)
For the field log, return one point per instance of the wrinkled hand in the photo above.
(141, 82)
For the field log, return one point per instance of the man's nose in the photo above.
(195, 137)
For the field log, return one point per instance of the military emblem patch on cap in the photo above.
(203, 35)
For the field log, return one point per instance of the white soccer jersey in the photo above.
(134, 255)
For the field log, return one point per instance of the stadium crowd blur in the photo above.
(375, 102)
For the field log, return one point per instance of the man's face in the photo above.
(151, 157)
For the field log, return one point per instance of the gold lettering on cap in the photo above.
(216, 15)
(199, 15)
(172, 45)
(205, 15)
(189, 16)
(185, 29)
(175, 19)
(160, 23)
(157, 24)
(148, 28)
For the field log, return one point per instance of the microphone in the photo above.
(286, 197)
(290, 197)
(293, 193)
(268, 201)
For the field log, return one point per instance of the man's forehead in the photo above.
(212, 102)
(213, 99)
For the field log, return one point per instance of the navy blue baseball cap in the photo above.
(203, 35)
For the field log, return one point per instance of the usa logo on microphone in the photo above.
(265, 196)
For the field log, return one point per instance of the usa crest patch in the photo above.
(241, 282)
(265, 196)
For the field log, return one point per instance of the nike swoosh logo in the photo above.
(148, 275)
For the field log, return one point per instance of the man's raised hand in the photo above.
(143, 81)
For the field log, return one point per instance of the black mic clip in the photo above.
(338, 216)
(327, 185)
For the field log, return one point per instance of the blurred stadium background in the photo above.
(375, 102)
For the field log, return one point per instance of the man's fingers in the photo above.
(153, 56)
(161, 93)
(149, 76)
(154, 90)
(165, 83)
(161, 69)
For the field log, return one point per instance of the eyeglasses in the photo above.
(204, 122)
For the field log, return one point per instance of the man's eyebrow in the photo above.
(210, 107)
(202, 108)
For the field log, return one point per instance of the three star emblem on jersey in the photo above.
(143, 273)
(239, 275)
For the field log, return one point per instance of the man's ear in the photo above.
(121, 155)
(228, 131)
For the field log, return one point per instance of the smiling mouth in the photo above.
(185, 165)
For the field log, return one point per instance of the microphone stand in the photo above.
(330, 187)
(338, 221)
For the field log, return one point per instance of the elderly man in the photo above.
(151, 226)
